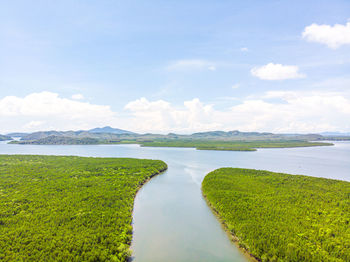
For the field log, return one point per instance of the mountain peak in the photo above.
(108, 129)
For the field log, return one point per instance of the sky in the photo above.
(175, 66)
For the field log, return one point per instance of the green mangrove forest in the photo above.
(67, 208)
(231, 145)
(281, 217)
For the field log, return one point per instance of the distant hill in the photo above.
(4, 138)
(229, 134)
(106, 135)
(238, 135)
(60, 140)
(17, 134)
(41, 134)
(110, 130)
(98, 133)
(335, 134)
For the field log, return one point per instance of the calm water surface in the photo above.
(171, 220)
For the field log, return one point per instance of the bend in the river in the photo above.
(171, 219)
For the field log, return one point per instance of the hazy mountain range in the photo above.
(335, 134)
(114, 135)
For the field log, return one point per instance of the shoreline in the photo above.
(233, 238)
(131, 258)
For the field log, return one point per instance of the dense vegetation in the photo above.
(203, 144)
(336, 138)
(213, 140)
(4, 138)
(281, 217)
(231, 145)
(69, 208)
(112, 134)
(60, 140)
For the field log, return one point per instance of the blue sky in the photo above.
(139, 62)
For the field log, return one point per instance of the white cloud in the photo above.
(235, 86)
(294, 111)
(33, 124)
(161, 116)
(48, 110)
(276, 72)
(244, 49)
(77, 97)
(191, 64)
(143, 104)
(332, 36)
(297, 112)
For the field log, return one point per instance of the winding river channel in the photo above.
(171, 219)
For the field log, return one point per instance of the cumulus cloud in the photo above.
(77, 97)
(297, 112)
(161, 116)
(274, 111)
(277, 72)
(191, 64)
(32, 111)
(332, 36)
(33, 124)
(235, 86)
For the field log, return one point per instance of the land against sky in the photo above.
(4, 138)
(69, 208)
(233, 145)
(215, 140)
(281, 217)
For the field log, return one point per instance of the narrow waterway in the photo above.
(171, 219)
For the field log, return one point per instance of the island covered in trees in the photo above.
(214, 140)
(281, 217)
(4, 138)
(68, 208)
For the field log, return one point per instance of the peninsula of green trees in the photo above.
(60, 140)
(4, 138)
(68, 208)
(281, 217)
(199, 144)
(232, 145)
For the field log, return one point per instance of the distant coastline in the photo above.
(214, 140)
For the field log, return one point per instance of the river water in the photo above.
(171, 219)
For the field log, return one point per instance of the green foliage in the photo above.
(60, 140)
(4, 138)
(231, 145)
(336, 138)
(69, 208)
(281, 217)
(214, 140)
(190, 143)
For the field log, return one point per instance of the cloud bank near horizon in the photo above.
(48, 111)
(275, 111)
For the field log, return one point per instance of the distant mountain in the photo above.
(17, 134)
(98, 133)
(238, 135)
(4, 138)
(234, 133)
(335, 134)
(108, 134)
(41, 134)
(60, 140)
(110, 130)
